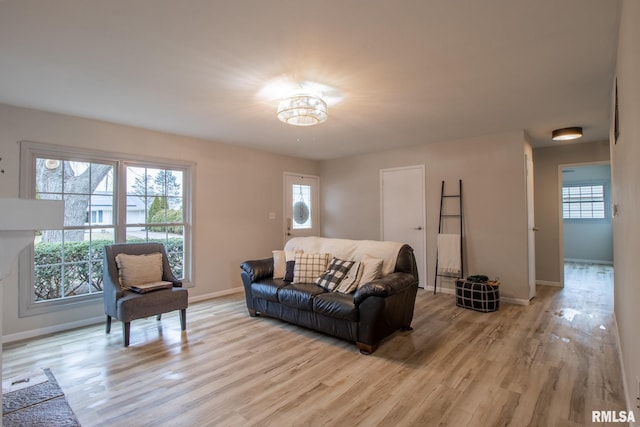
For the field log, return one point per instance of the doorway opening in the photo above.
(586, 226)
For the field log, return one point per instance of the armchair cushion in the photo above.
(137, 306)
(136, 270)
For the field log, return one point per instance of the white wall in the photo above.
(492, 170)
(625, 156)
(234, 190)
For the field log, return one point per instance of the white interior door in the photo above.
(402, 195)
(301, 205)
(531, 226)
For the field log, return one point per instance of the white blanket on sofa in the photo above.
(350, 250)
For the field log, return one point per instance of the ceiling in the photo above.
(399, 73)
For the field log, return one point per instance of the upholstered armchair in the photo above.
(144, 263)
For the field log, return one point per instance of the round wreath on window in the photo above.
(300, 212)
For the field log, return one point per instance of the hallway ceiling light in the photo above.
(566, 134)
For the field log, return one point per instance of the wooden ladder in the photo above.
(444, 215)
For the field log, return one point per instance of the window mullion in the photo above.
(120, 199)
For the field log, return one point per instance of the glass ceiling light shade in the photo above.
(302, 110)
(566, 134)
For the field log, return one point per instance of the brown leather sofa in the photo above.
(376, 310)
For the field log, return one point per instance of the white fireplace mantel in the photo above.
(19, 220)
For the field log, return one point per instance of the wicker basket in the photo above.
(478, 296)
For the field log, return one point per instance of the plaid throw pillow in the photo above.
(309, 266)
(350, 282)
(335, 273)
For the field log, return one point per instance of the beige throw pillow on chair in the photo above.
(136, 270)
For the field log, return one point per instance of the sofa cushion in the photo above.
(309, 266)
(336, 305)
(334, 274)
(267, 289)
(299, 295)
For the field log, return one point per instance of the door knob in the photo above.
(418, 228)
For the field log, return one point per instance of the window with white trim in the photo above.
(583, 202)
(109, 198)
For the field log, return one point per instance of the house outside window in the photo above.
(109, 198)
(583, 202)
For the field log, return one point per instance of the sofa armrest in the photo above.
(258, 269)
(386, 286)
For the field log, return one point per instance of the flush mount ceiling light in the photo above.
(302, 110)
(566, 134)
(299, 102)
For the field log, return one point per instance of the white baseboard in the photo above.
(625, 385)
(100, 319)
(516, 301)
(449, 291)
(52, 329)
(547, 283)
(509, 300)
(217, 294)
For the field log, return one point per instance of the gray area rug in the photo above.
(41, 404)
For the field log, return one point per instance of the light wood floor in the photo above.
(547, 364)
